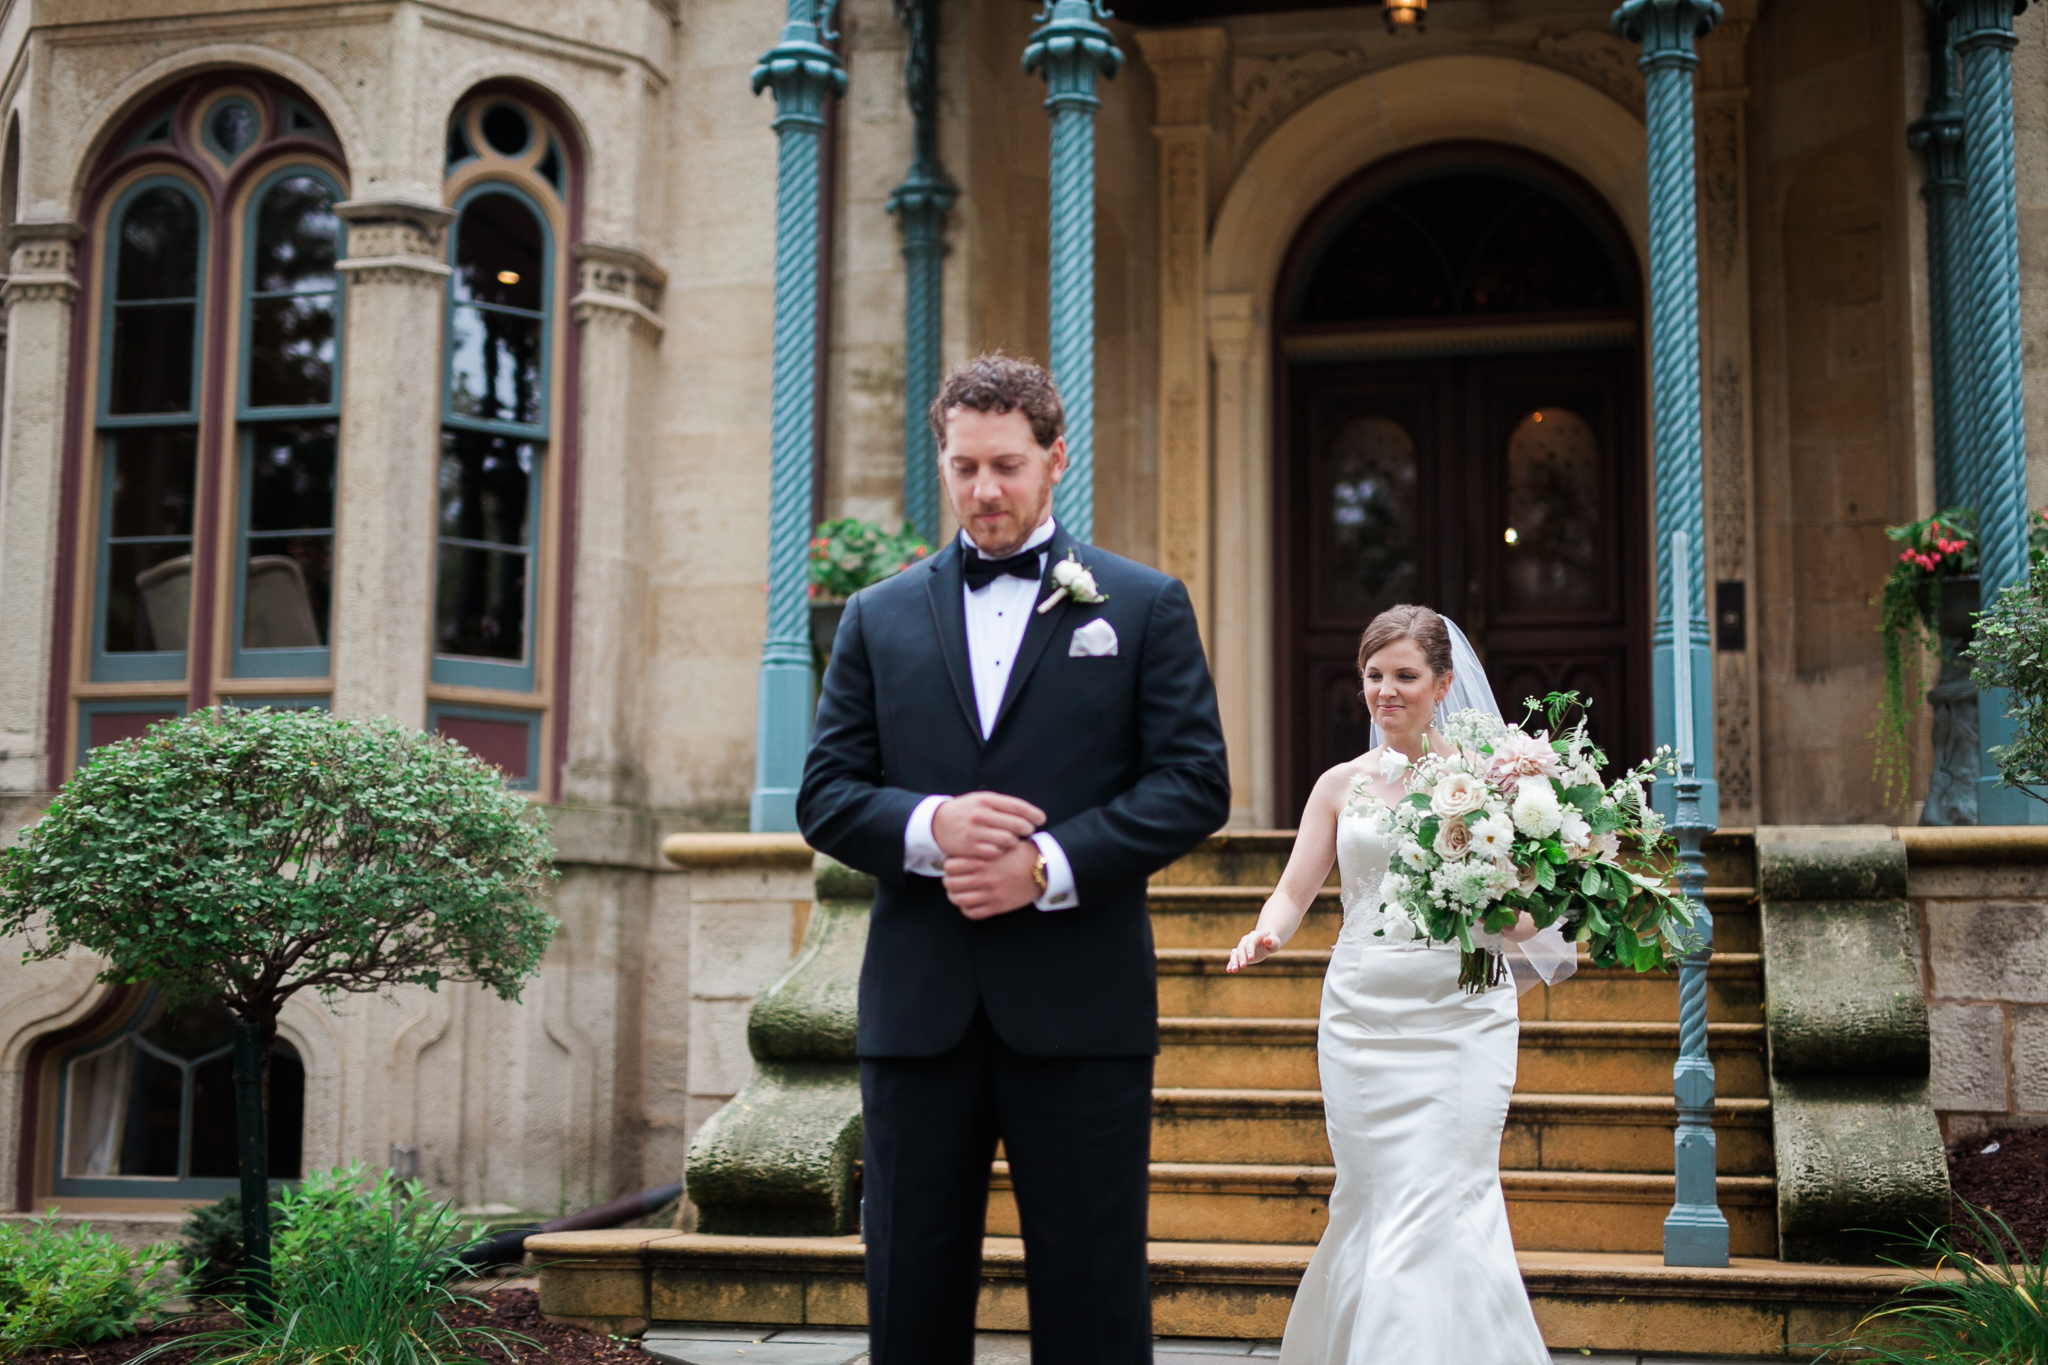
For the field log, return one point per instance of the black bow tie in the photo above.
(981, 572)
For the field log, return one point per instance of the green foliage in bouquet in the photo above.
(63, 1287)
(849, 554)
(1994, 1312)
(1515, 822)
(1909, 615)
(2011, 651)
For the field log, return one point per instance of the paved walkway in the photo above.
(723, 1345)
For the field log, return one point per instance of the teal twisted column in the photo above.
(1695, 1232)
(921, 204)
(1070, 49)
(1938, 136)
(802, 72)
(1982, 31)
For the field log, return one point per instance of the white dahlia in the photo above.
(1535, 808)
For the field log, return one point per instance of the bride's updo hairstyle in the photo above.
(1419, 624)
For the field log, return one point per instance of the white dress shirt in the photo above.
(997, 615)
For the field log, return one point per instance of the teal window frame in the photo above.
(190, 1189)
(278, 663)
(530, 719)
(462, 670)
(164, 665)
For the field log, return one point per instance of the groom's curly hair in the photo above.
(994, 382)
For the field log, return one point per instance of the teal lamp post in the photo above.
(1982, 32)
(1695, 1231)
(1070, 49)
(802, 72)
(921, 204)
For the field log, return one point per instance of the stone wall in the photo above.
(1982, 900)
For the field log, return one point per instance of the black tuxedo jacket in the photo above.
(1124, 754)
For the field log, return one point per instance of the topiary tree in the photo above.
(2010, 650)
(243, 856)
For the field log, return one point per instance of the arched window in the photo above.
(150, 1113)
(499, 434)
(215, 369)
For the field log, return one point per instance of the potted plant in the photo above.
(850, 554)
(1929, 607)
(1928, 598)
(2012, 653)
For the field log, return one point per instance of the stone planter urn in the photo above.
(825, 614)
(1952, 786)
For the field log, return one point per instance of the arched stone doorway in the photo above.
(1458, 422)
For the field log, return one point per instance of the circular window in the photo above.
(506, 129)
(231, 127)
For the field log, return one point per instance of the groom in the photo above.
(1012, 752)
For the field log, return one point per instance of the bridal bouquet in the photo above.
(1512, 821)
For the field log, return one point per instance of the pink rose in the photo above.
(1453, 839)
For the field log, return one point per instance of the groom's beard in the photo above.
(1009, 534)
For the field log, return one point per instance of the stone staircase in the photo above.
(1241, 1173)
(1238, 1138)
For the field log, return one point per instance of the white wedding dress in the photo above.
(1417, 1266)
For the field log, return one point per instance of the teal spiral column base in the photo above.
(803, 73)
(1070, 50)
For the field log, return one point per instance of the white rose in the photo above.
(1453, 840)
(1400, 927)
(1392, 764)
(1606, 847)
(1393, 887)
(1493, 836)
(1411, 853)
(1457, 795)
(1574, 830)
(1535, 809)
(1076, 580)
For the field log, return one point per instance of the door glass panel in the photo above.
(1552, 541)
(1368, 493)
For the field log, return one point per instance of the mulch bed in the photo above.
(506, 1310)
(2011, 1182)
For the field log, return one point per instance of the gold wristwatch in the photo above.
(1038, 870)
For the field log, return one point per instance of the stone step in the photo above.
(1557, 1056)
(621, 1280)
(1216, 917)
(1549, 1210)
(1618, 1133)
(1194, 982)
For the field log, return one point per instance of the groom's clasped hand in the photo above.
(990, 859)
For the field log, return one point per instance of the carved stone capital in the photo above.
(621, 271)
(1188, 66)
(394, 228)
(43, 249)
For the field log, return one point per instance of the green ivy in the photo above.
(1909, 616)
(849, 554)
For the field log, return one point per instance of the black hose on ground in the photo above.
(506, 1248)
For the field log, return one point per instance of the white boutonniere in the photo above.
(1071, 579)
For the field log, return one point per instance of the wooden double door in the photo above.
(1505, 491)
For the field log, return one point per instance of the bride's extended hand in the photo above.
(1253, 948)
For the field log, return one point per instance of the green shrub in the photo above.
(1990, 1314)
(2011, 651)
(317, 1225)
(67, 1288)
(361, 1277)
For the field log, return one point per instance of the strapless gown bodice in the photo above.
(1364, 853)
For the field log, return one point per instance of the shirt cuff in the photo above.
(1059, 874)
(921, 852)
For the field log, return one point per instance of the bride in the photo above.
(1417, 1266)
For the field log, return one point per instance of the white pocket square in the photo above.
(1096, 640)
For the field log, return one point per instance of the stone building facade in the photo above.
(413, 359)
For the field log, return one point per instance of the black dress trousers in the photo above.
(1077, 1132)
